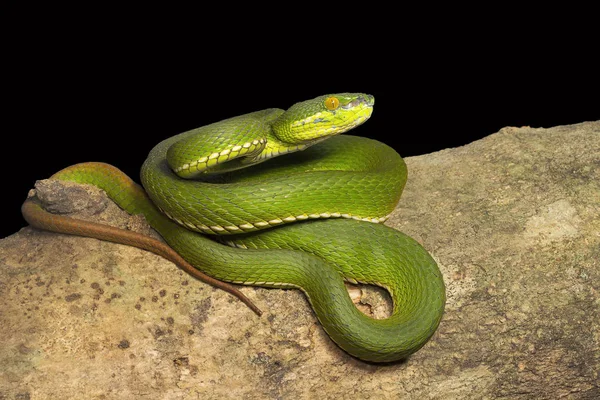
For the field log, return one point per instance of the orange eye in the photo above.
(331, 103)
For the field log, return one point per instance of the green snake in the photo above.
(310, 219)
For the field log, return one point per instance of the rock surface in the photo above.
(513, 221)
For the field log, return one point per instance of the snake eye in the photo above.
(331, 103)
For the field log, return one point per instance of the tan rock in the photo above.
(512, 219)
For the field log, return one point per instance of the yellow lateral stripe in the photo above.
(260, 224)
(220, 156)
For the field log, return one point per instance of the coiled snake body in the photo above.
(309, 220)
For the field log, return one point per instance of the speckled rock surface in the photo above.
(513, 221)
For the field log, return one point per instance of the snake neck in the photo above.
(274, 147)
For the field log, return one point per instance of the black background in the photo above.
(78, 94)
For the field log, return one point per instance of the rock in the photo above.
(512, 219)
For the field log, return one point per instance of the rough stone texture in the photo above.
(513, 220)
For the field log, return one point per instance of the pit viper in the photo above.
(278, 198)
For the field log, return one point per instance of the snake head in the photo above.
(322, 117)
